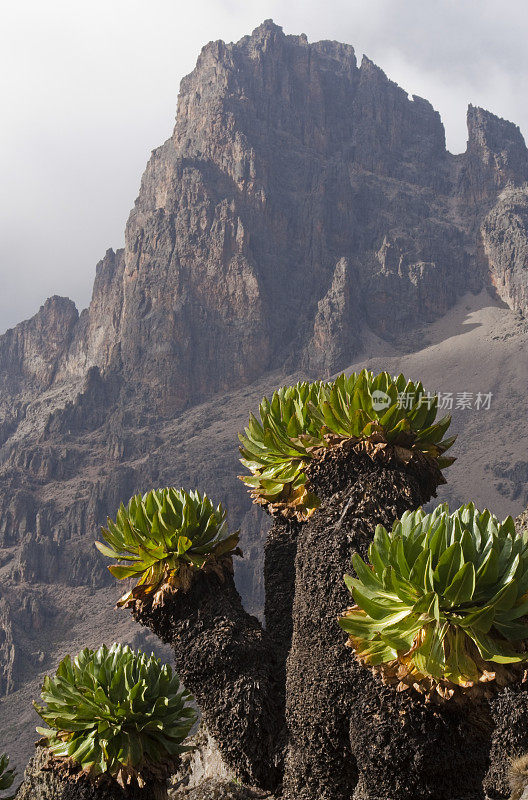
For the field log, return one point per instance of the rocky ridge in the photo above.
(304, 214)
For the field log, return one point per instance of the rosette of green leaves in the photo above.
(164, 537)
(7, 776)
(116, 712)
(277, 449)
(443, 602)
(300, 420)
(388, 409)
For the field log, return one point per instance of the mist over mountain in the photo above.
(304, 216)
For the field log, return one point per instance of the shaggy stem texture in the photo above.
(227, 661)
(509, 740)
(280, 552)
(407, 748)
(357, 493)
(46, 779)
(508, 770)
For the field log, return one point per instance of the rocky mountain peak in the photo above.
(286, 161)
(492, 134)
(496, 152)
(267, 32)
(32, 351)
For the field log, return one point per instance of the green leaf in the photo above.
(376, 609)
(121, 572)
(428, 607)
(492, 649)
(115, 711)
(460, 666)
(461, 588)
(159, 532)
(479, 620)
(422, 572)
(449, 563)
(306, 417)
(430, 656)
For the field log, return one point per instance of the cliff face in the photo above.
(303, 204)
(504, 233)
(286, 158)
(31, 353)
(496, 154)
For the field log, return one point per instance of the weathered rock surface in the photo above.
(30, 354)
(304, 213)
(203, 775)
(496, 154)
(218, 789)
(504, 234)
(203, 763)
(300, 196)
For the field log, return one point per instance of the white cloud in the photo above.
(89, 88)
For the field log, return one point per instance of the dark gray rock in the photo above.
(504, 233)
(31, 352)
(496, 155)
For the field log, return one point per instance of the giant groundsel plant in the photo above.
(164, 538)
(116, 712)
(7, 777)
(377, 412)
(442, 607)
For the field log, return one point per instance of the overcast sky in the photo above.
(88, 89)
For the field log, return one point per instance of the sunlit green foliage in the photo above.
(7, 777)
(443, 602)
(116, 712)
(164, 538)
(303, 419)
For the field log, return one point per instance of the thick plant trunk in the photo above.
(510, 736)
(510, 739)
(280, 552)
(407, 749)
(357, 493)
(227, 661)
(44, 781)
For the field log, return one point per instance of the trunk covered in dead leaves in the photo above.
(280, 551)
(510, 739)
(46, 779)
(279, 580)
(289, 707)
(338, 715)
(509, 749)
(228, 662)
(406, 748)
